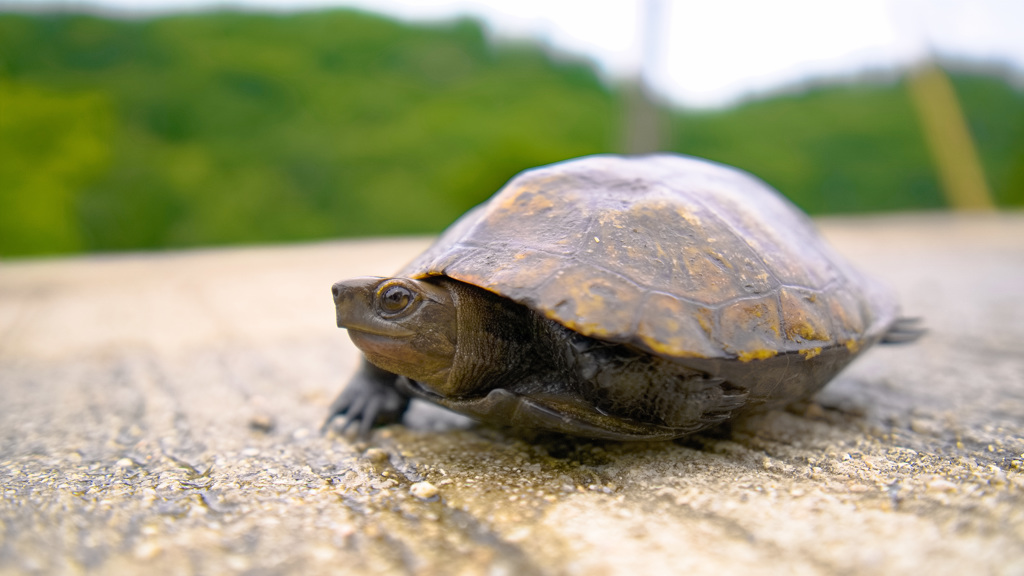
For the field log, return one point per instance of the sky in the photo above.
(704, 53)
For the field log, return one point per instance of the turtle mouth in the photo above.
(375, 342)
(392, 332)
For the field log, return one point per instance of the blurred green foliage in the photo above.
(52, 145)
(235, 128)
(860, 147)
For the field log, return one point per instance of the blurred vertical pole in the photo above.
(942, 119)
(949, 139)
(644, 126)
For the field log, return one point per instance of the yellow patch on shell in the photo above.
(809, 353)
(686, 215)
(705, 317)
(718, 257)
(846, 315)
(710, 282)
(676, 328)
(803, 319)
(804, 330)
(750, 328)
(592, 305)
(747, 356)
(530, 198)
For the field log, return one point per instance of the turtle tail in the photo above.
(903, 330)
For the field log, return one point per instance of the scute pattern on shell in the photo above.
(680, 256)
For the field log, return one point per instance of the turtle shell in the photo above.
(679, 256)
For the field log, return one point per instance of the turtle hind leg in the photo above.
(903, 330)
(369, 400)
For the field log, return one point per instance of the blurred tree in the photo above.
(52, 145)
(230, 127)
(856, 147)
(832, 149)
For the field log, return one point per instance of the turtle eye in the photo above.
(395, 298)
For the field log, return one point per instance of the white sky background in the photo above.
(710, 52)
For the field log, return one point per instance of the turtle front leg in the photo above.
(370, 399)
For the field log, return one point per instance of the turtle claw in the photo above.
(369, 400)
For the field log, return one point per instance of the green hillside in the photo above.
(235, 128)
(856, 148)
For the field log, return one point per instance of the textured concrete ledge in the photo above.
(158, 414)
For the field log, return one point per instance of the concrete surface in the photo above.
(159, 414)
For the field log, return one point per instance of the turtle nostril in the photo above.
(336, 291)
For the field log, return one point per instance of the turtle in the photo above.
(617, 298)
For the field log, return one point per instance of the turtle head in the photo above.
(404, 326)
